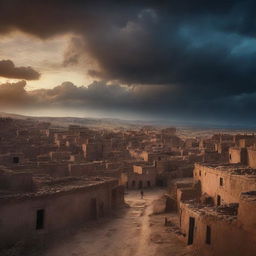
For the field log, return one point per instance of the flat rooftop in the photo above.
(47, 186)
(235, 169)
(223, 212)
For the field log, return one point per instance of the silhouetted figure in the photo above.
(142, 194)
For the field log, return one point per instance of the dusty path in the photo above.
(127, 234)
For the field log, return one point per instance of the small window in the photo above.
(208, 235)
(40, 219)
(230, 156)
(15, 160)
(221, 181)
(200, 173)
(218, 200)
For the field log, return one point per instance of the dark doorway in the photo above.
(140, 184)
(191, 230)
(40, 219)
(133, 183)
(208, 235)
(101, 210)
(15, 160)
(94, 212)
(148, 183)
(218, 200)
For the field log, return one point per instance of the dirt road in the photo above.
(132, 232)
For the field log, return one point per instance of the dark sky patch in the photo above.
(202, 52)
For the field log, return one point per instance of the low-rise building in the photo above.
(54, 205)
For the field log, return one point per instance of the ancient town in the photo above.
(127, 128)
(151, 190)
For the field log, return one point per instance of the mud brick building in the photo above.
(52, 205)
(217, 210)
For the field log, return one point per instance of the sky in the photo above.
(186, 60)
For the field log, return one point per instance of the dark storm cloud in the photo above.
(139, 99)
(202, 52)
(98, 94)
(8, 70)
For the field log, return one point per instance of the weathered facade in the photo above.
(55, 205)
(216, 211)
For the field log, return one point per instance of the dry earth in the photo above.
(134, 231)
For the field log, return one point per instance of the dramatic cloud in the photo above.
(161, 102)
(188, 58)
(13, 94)
(8, 69)
(97, 95)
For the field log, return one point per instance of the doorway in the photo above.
(218, 200)
(40, 219)
(191, 230)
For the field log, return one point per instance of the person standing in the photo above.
(141, 194)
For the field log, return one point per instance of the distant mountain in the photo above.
(111, 123)
(90, 122)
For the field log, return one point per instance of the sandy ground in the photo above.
(133, 231)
